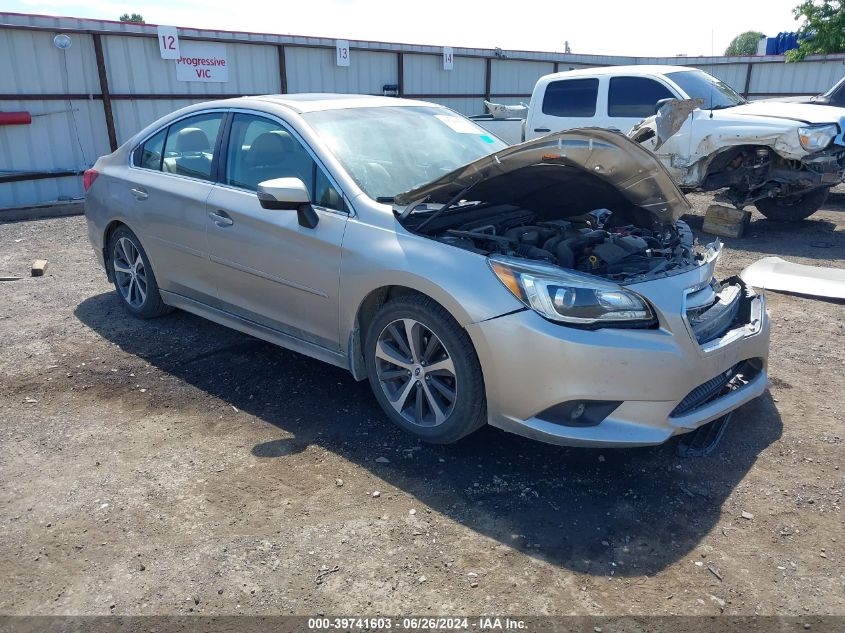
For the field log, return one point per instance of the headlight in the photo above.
(570, 297)
(817, 137)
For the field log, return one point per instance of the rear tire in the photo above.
(133, 276)
(793, 208)
(424, 371)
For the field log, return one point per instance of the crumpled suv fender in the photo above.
(759, 153)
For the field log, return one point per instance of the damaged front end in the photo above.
(583, 228)
(588, 201)
(750, 155)
(752, 174)
(568, 222)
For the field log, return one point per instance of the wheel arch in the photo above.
(110, 228)
(366, 311)
(720, 159)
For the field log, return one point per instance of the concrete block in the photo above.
(38, 267)
(726, 221)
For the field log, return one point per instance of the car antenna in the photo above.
(712, 68)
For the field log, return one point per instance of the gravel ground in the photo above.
(173, 466)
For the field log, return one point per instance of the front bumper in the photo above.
(825, 168)
(531, 365)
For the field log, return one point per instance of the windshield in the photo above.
(699, 85)
(392, 149)
(837, 86)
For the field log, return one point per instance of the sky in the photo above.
(644, 28)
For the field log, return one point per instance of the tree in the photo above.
(744, 43)
(823, 30)
(135, 17)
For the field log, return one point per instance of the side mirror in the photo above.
(288, 194)
(662, 103)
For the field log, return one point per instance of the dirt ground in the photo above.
(173, 466)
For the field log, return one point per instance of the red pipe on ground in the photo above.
(15, 118)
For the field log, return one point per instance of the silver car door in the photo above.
(169, 183)
(270, 269)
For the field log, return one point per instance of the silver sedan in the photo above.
(549, 289)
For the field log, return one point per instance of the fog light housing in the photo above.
(579, 412)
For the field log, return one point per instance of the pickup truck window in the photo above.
(699, 85)
(634, 96)
(571, 97)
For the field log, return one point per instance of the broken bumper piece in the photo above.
(774, 273)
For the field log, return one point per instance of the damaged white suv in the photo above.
(781, 157)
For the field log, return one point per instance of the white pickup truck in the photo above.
(781, 157)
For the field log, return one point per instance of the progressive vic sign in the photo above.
(202, 61)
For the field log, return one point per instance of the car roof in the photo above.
(313, 102)
(643, 70)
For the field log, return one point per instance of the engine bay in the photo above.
(596, 242)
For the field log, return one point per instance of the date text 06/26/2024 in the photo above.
(482, 623)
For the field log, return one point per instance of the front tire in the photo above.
(424, 371)
(133, 276)
(793, 208)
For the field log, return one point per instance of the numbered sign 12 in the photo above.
(342, 51)
(168, 42)
(448, 58)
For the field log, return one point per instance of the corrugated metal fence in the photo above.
(112, 81)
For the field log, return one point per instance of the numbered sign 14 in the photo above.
(168, 42)
(448, 58)
(342, 51)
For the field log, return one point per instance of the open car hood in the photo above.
(620, 162)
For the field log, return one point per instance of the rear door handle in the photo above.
(221, 218)
(139, 193)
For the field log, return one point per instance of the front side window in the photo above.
(635, 97)
(189, 149)
(148, 154)
(571, 97)
(261, 149)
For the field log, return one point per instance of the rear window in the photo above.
(635, 96)
(571, 97)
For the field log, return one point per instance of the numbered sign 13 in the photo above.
(342, 51)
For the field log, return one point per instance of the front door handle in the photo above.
(542, 129)
(139, 193)
(221, 218)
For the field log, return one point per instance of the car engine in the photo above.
(590, 243)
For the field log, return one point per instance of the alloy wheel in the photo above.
(416, 372)
(130, 272)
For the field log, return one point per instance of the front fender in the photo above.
(375, 257)
(689, 153)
